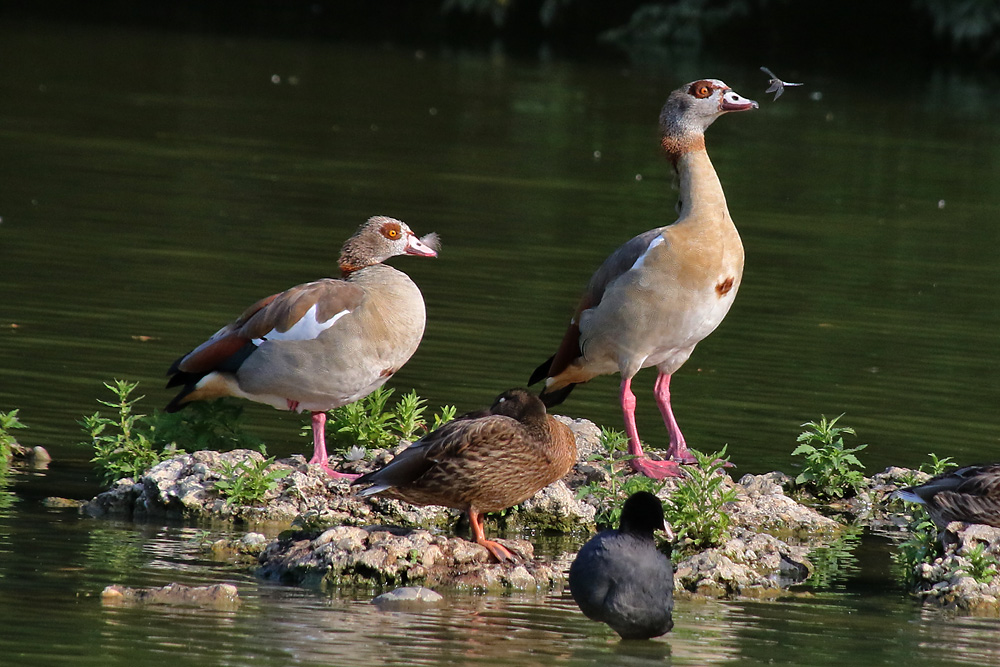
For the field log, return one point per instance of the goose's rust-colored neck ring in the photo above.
(675, 146)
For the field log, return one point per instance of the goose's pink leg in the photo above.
(320, 456)
(641, 462)
(678, 450)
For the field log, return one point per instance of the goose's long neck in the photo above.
(701, 196)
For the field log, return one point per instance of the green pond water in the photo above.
(152, 185)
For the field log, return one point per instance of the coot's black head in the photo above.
(642, 514)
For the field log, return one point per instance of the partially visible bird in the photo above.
(658, 295)
(777, 85)
(970, 494)
(319, 345)
(481, 462)
(620, 578)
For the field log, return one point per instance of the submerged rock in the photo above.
(34, 457)
(219, 596)
(407, 597)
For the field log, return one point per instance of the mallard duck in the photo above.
(482, 462)
(665, 290)
(319, 345)
(620, 578)
(970, 494)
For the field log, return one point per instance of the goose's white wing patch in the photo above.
(307, 328)
(642, 258)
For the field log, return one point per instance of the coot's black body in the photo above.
(622, 579)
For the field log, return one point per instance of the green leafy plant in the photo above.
(935, 467)
(921, 546)
(695, 509)
(122, 446)
(609, 496)
(215, 425)
(829, 467)
(371, 423)
(407, 418)
(247, 482)
(982, 565)
(8, 421)
(128, 444)
(441, 418)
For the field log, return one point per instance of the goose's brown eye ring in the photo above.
(700, 89)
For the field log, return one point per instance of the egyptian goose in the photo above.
(319, 345)
(481, 462)
(620, 578)
(663, 291)
(970, 494)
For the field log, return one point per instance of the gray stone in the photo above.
(556, 508)
(219, 596)
(407, 596)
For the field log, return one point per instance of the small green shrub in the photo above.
(982, 564)
(248, 481)
(441, 418)
(202, 425)
(370, 424)
(922, 546)
(122, 446)
(935, 467)
(128, 444)
(829, 467)
(608, 497)
(695, 508)
(8, 421)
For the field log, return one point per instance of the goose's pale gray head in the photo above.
(690, 109)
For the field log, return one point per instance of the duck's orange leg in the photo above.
(500, 552)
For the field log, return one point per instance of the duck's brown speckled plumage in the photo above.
(481, 462)
(970, 494)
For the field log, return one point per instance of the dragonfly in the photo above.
(777, 85)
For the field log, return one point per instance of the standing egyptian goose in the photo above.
(663, 291)
(620, 578)
(319, 345)
(484, 461)
(970, 494)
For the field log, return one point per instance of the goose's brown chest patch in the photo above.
(723, 288)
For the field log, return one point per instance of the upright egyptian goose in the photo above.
(319, 345)
(663, 291)
(620, 578)
(484, 461)
(970, 494)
